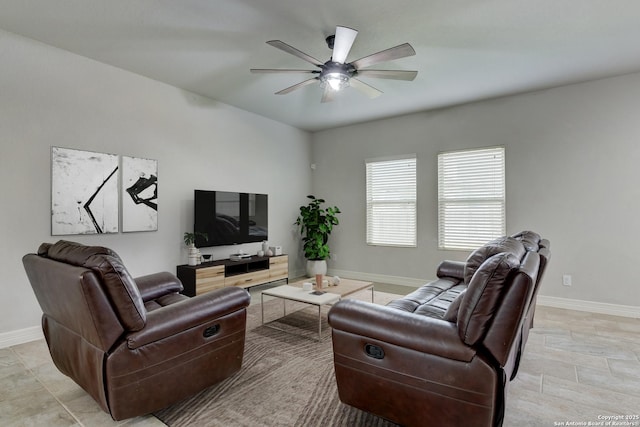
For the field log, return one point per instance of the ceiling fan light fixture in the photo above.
(336, 73)
(336, 81)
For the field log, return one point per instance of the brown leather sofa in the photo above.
(135, 345)
(444, 354)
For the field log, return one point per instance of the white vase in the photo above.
(194, 255)
(316, 267)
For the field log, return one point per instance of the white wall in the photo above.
(49, 97)
(572, 156)
(572, 174)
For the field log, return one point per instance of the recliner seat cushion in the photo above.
(483, 295)
(119, 284)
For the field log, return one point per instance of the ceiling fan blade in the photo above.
(297, 86)
(328, 94)
(389, 74)
(275, 70)
(342, 43)
(397, 52)
(368, 90)
(295, 52)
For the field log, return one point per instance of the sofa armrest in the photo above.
(156, 285)
(420, 333)
(453, 269)
(189, 313)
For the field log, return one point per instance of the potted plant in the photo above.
(316, 224)
(190, 240)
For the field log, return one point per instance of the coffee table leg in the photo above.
(262, 306)
(319, 325)
(372, 294)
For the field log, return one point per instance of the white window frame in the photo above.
(471, 197)
(391, 206)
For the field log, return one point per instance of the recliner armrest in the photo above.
(420, 333)
(155, 285)
(453, 269)
(189, 313)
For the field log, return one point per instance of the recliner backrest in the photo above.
(483, 296)
(116, 280)
(530, 239)
(502, 336)
(502, 244)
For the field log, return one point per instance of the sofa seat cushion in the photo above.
(432, 299)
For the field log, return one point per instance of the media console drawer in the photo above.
(248, 279)
(198, 279)
(279, 267)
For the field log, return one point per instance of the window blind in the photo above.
(391, 201)
(471, 197)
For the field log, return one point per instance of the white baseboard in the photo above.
(590, 306)
(21, 336)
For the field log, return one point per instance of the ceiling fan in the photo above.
(336, 74)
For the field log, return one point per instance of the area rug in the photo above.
(287, 377)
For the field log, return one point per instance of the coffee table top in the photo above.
(298, 294)
(346, 286)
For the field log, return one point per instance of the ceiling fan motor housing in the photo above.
(336, 75)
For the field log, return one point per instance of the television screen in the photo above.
(229, 218)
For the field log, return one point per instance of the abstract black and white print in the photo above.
(84, 192)
(139, 194)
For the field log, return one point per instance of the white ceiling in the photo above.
(467, 50)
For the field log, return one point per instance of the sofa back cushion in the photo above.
(484, 294)
(451, 315)
(116, 280)
(530, 239)
(502, 244)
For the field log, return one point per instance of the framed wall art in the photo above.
(84, 192)
(139, 194)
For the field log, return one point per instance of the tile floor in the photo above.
(577, 367)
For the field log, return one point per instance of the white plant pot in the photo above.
(316, 267)
(193, 255)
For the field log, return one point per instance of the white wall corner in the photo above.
(590, 306)
(21, 336)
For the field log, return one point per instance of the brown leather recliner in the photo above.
(444, 354)
(135, 345)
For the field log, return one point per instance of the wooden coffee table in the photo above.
(294, 292)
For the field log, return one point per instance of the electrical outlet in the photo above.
(566, 279)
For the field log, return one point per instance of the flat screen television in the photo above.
(230, 218)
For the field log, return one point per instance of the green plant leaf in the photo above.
(316, 223)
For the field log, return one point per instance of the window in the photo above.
(391, 201)
(471, 197)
